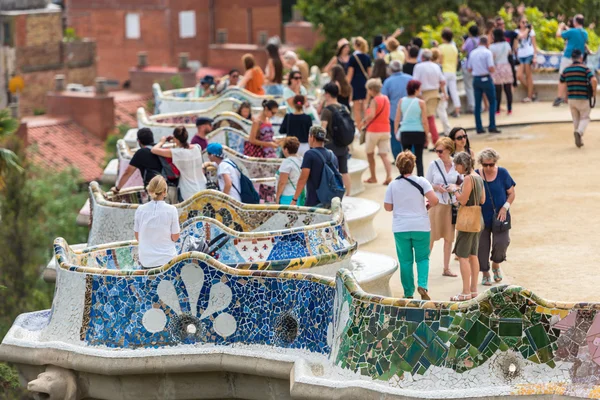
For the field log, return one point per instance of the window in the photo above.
(187, 24)
(7, 34)
(222, 36)
(132, 26)
(263, 36)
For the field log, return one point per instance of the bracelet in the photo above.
(294, 199)
(506, 205)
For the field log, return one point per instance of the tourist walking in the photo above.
(273, 71)
(313, 164)
(376, 123)
(156, 227)
(293, 88)
(442, 108)
(379, 70)
(581, 85)
(527, 55)
(289, 172)
(410, 125)
(396, 51)
(449, 60)
(254, 77)
(469, 45)
(468, 225)
(359, 70)
(297, 124)
(461, 141)
(341, 58)
(228, 174)
(203, 128)
(432, 81)
(481, 64)
(260, 142)
(395, 88)
(500, 195)
(576, 38)
(502, 75)
(408, 67)
(510, 36)
(338, 76)
(443, 178)
(187, 159)
(336, 120)
(404, 197)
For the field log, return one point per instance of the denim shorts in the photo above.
(526, 60)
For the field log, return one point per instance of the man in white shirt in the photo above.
(432, 81)
(228, 174)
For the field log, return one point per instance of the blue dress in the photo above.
(359, 80)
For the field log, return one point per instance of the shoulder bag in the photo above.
(497, 225)
(454, 206)
(362, 68)
(363, 131)
(469, 217)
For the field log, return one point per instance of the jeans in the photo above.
(468, 84)
(481, 85)
(411, 247)
(396, 145)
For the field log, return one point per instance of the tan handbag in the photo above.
(469, 217)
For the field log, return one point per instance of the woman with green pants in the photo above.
(405, 197)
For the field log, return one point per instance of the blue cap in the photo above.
(215, 149)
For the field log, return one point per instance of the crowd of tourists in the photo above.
(391, 96)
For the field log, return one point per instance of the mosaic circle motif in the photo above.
(154, 320)
(225, 325)
(286, 328)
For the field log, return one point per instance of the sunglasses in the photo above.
(439, 151)
(234, 76)
(488, 165)
(460, 137)
(296, 78)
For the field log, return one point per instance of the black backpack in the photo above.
(248, 194)
(342, 126)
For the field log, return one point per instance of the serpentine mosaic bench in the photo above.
(178, 100)
(294, 335)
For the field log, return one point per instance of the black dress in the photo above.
(359, 79)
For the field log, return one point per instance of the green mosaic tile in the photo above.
(413, 353)
(477, 334)
(434, 352)
(537, 336)
(545, 354)
(510, 327)
(424, 333)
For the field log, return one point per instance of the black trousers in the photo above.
(508, 91)
(415, 141)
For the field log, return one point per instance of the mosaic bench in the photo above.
(178, 100)
(309, 336)
(111, 172)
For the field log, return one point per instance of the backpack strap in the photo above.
(323, 158)
(415, 184)
(234, 165)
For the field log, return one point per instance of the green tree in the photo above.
(8, 159)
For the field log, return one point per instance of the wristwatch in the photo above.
(295, 200)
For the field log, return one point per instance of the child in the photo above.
(298, 124)
(289, 172)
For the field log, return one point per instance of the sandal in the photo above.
(423, 293)
(448, 272)
(461, 297)
(526, 100)
(371, 180)
(474, 295)
(486, 281)
(497, 275)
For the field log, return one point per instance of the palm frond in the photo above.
(8, 124)
(9, 159)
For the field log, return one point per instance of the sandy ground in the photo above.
(554, 247)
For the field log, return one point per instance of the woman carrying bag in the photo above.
(469, 224)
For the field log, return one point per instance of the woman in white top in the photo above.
(405, 197)
(526, 48)
(442, 176)
(156, 227)
(188, 159)
(502, 75)
(289, 172)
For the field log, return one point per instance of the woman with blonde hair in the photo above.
(359, 71)
(470, 194)
(378, 130)
(254, 78)
(156, 227)
(396, 51)
(404, 197)
(443, 178)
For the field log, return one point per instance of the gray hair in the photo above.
(488, 154)
(464, 159)
(374, 84)
(395, 66)
(483, 40)
(426, 55)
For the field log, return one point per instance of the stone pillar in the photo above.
(183, 60)
(142, 59)
(14, 110)
(100, 86)
(59, 83)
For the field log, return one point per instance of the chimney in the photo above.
(14, 110)
(183, 60)
(59, 83)
(100, 86)
(142, 59)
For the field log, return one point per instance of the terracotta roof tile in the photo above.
(126, 106)
(59, 143)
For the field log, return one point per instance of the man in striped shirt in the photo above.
(577, 78)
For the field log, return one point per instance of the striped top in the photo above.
(577, 77)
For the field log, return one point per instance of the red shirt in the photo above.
(381, 122)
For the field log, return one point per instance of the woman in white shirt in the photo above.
(289, 172)
(188, 159)
(526, 48)
(442, 176)
(502, 75)
(156, 227)
(405, 197)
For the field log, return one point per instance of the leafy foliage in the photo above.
(450, 20)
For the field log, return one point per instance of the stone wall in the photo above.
(11, 5)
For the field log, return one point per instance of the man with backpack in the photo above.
(319, 173)
(231, 179)
(337, 121)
